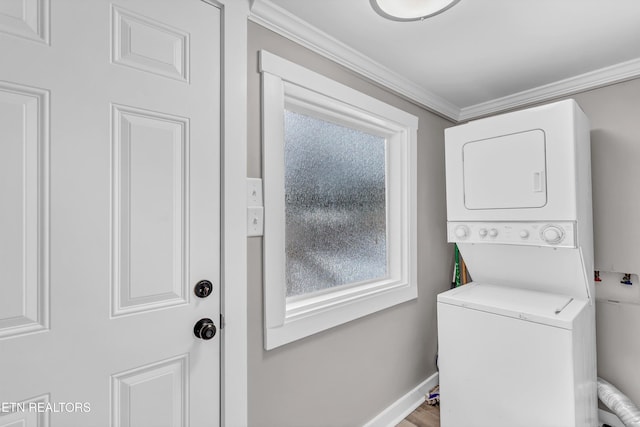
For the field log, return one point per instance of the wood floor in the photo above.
(425, 415)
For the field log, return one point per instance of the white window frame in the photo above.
(286, 85)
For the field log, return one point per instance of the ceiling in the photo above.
(480, 56)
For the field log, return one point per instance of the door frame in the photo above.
(233, 353)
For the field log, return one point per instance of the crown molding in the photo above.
(592, 80)
(273, 17)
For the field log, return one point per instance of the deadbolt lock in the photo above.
(203, 289)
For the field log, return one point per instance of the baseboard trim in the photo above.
(398, 410)
(402, 407)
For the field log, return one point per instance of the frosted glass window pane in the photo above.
(335, 208)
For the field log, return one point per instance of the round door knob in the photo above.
(205, 329)
(483, 232)
(552, 234)
(524, 234)
(493, 232)
(203, 289)
(462, 231)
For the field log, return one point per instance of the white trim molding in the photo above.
(282, 22)
(233, 387)
(279, 20)
(583, 82)
(402, 407)
(289, 86)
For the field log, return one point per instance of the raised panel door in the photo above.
(109, 163)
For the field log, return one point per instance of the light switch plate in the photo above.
(254, 192)
(255, 221)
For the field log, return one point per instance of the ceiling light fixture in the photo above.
(410, 10)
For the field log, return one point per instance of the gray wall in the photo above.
(614, 113)
(346, 375)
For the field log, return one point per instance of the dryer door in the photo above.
(506, 172)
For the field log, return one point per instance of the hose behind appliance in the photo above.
(620, 404)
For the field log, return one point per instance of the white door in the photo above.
(109, 193)
(506, 172)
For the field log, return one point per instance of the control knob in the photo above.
(524, 234)
(552, 234)
(462, 231)
(483, 232)
(493, 232)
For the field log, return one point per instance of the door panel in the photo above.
(154, 395)
(149, 45)
(23, 217)
(109, 163)
(149, 210)
(28, 19)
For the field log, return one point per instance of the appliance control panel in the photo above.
(560, 234)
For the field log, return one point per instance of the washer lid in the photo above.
(539, 307)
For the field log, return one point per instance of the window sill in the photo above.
(312, 315)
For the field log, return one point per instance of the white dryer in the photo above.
(517, 346)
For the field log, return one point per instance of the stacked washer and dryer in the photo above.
(517, 345)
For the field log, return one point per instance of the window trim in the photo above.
(286, 85)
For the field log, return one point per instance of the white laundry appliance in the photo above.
(517, 345)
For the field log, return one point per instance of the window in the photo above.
(335, 211)
(339, 178)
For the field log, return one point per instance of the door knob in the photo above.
(205, 329)
(203, 288)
